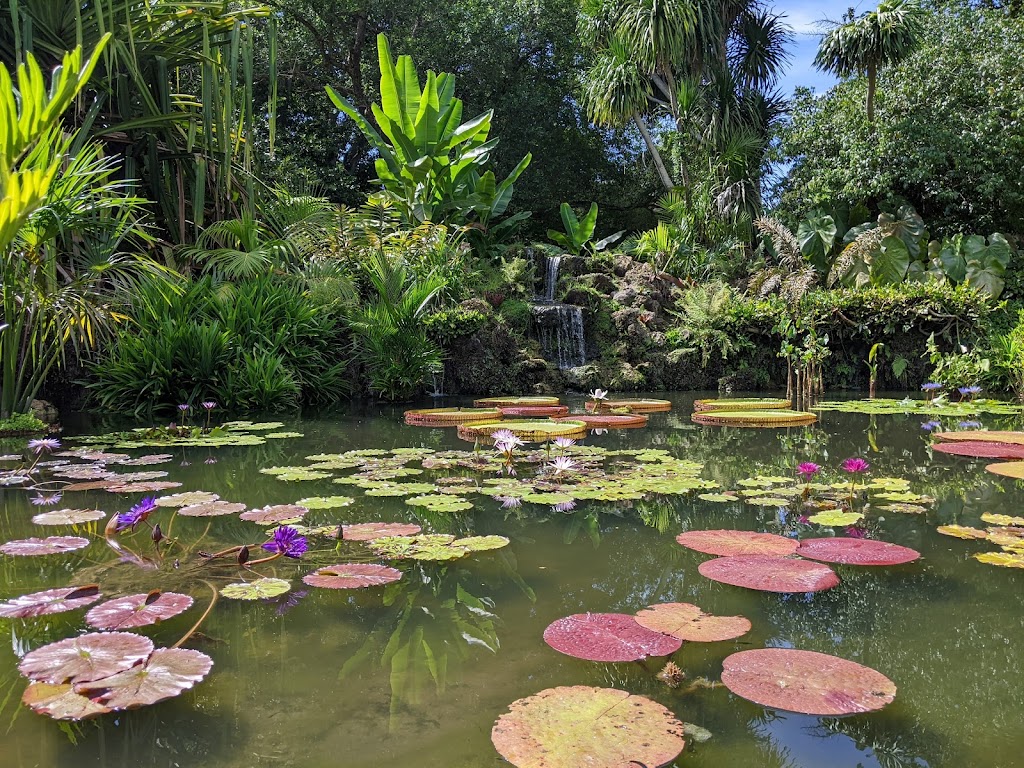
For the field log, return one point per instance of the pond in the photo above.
(414, 674)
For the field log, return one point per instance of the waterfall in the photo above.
(551, 264)
(560, 328)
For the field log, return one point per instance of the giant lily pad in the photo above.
(1013, 438)
(49, 601)
(982, 449)
(352, 576)
(325, 502)
(61, 702)
(726, 543)
(371, 531)
(856, 551)
(770, 574)
(1014, 469)
(806, 682)
(280, 513)
(962, 532)
(256, 590)
(51, 545)
(137, 610)
(577, 726)
(988, 517)
(212, 509)
(167, 673)
(834, 517)
(607, 637)
(86, 657)
(68, 517)
(688, 622)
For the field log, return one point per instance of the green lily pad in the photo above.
(718, 498)
(186, 499)
(325, 502)
(256, 590)
(481, 543)
(440, 503)
(835, 517)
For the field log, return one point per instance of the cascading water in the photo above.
(559, 326)
(551, 265)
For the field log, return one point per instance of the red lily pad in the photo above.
(212, 509)
(137, 610)
(806, 682)
(577, 726)
(770, 574)
(982, 450)
(688, 622)
(92, 485)
(86, 657)
(144, 487)
(278, 513)
(352, 576)
(68, 517)
(51, 545)
(607, 637)
(727, 543)
(984, 435)
(856, 551)
(371, 531)
(61, 702)
(167, 673)
(49, 601)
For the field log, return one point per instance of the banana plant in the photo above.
(431, 163)
(579, 233)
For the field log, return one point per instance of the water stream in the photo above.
(559, 326)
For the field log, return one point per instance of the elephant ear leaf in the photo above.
(951, 258)
(999, 250)
(816, 236)
(889, 266)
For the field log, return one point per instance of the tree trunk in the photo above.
(655, 154)
(872, 77)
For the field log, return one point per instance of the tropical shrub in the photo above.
(578, 236)
(432, 165)
(259, 344)
(1008, 353)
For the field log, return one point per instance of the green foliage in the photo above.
(1008, 355)
(578, 236)
(258, 344)
(21, 424)
(946, 138)
(447, 325)
(431, 164)
(517, 314)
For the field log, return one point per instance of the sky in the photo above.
(803, 16)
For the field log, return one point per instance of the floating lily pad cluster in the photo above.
(938, 406)
(1005, 531)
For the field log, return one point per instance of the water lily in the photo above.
(563, 464)
(564, 506)
(210, 460)
(970, 425)
(44, 445)
(137, 514)
(807, 470)
(287, 542)
(856, 532)
(184, 407)
(928, 426)
(45, 499)
(510, 502)
(932, 386)
(969, 392)
(856, 465)
(599, 394)
(209, 405)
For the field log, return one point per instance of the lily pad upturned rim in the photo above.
(507, 400)
(689, 623)
(608, 637)
(49, 601)
(557, 727)
(139, 610)
(36, 547)
(807, 682)
(982, 449)
(725, 543)
(1014, 469)
(780, 417)
(770, 574)
(742, 404)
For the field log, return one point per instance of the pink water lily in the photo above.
(856, 466)
(808, 469)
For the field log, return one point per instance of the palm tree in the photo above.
(864, 45)
(669, 59)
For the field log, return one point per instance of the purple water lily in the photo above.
(184, 407)
(287, 542)
(928, 426)
(970, 425)
(44, 445)
(931, 386)
(45, 499)
(135, 515)
(209, 405)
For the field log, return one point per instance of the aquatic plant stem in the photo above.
(194, 627)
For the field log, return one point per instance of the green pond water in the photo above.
(342, 678)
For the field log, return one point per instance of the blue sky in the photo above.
(803, 16)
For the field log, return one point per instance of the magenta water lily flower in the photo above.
(135, 515)
(855, 532)
(44, 445)
(208, 404)
(807, 470)
(287, 542)
(856, 466)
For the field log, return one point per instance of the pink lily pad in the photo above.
(726, 543)
(371, 531)
(137, 610)
(212, 509)
(856, 551)
(352, 576)
(144, 487)
(688, 622)
(770, 574)
(806, 682)
(147, 460)
(92, 485)
(49, 601)
(86, 657)
(167, 673)
(607, 637)
(279, 513)
(68, 517)
(61, 702)
(51, 545)
(982, 450)
(582, 727)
